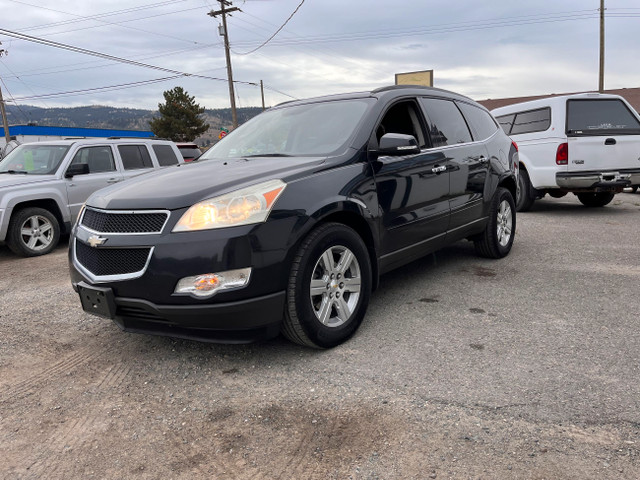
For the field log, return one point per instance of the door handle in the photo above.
(610, 141)
(483, 159)
(439, 169)
(113, 180)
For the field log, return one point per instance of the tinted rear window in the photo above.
(165, 154)
(531, 121)
(600, 117)
(188, 152)
(481, 122)
(447, 126)
(135, 157)
(506, 121)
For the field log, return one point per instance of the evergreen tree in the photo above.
(179, 119)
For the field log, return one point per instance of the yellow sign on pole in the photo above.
(423, 78)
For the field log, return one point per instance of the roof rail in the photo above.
(396, 87)
(145, 138)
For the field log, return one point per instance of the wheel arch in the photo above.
(352, 215)
(361, 227)
(46, 203)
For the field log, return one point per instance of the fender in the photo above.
(16, 196)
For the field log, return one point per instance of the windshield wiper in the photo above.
(15, 171)
(268, 155)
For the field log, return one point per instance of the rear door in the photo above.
(603, 135)
(135, 159)
(467, 161)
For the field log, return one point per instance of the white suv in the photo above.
(587, 144)
(43, 185)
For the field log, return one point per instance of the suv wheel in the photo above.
(329, 287)
(598, 199)
(33, 231)
(525, 197)
(497, 239)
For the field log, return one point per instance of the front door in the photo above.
(102, 173)
(413, 191)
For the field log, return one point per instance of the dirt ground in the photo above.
(81, 399)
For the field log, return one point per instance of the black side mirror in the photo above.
(76, 169)
(398, 144)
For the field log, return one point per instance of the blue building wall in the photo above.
(15, 130)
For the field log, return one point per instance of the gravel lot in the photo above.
(526, 367)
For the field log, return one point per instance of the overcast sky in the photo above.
(491, 49)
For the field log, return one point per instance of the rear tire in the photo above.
(525, 196)
(597, 199)
(497, 239)
(329, 287)
(33, 231)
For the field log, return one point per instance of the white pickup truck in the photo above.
(43, 185)
(587, 144)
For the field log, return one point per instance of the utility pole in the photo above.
(5, 123)
(601, 76)
(223, 12)
(262, 94)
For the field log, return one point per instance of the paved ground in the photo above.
(527, 367)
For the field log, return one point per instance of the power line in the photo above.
(51, 43)
(87, 91)
(277, 31)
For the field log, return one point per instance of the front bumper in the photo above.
(145, 300)
(229, 322)
(598, 181)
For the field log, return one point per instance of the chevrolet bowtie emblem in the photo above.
(95, 240)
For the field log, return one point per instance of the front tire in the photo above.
(596, 199)
(329, 287)
(33, 231)
(497, 238)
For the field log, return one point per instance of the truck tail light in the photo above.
(515, 145)
(562, 155)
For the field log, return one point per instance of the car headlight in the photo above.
(242, 207)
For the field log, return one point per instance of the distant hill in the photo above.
(99, 116)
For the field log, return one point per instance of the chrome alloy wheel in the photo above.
(335, 286)
(504, 223)
(37, 232)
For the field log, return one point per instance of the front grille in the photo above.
(111, 261)
(119, 222)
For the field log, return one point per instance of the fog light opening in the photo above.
(207, 284)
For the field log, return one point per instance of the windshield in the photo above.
(34, 159)
(315, 129)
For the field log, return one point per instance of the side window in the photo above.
(99, 159)
(600, 117)
(403, 118)
(447, 126)
(506, 121)
(165, 155)
(531, 121)
(135, 157)
(481, 122)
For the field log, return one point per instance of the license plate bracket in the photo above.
(97, 300)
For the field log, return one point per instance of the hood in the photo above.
(188, 183)
(19, 179)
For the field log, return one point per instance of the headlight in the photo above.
(80, 212)
(242, 207)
